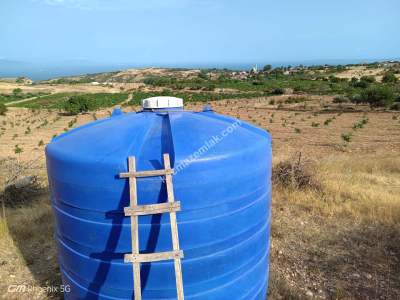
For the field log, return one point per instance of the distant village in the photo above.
(211, 74)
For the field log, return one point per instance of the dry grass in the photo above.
(27, 249)
(342, 243)
(28, 252)
(365, 188)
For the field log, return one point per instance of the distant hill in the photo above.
(127, 76)
(103, 72)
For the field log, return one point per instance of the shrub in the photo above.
(334, 79)
(72, 122)
(17, 91)
(210, 87)
(361, 84)
(45, 122)
(257, 82)
(278, 91)
(297, 130)
(389, 77)
(395, 106)
(3, 109)
(17, 149)
(358, 125)
(295, 173)
(347, 137)
(20, 189)
(356, 98)
(292, 100)
(41, 143)
(369, 79)
(340, 99)
(377, 96)
(158, 81)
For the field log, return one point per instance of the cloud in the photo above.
(131, 5)
(81, 4)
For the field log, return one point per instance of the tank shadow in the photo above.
(109, 254)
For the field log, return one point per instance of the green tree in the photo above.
(3, 109)
(17, 91)
(377, 96)
(203, 74)
(76, 104)
(267, 68)
(20, 80)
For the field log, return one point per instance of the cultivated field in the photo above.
(334, 235)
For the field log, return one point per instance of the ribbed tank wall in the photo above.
(225, 195)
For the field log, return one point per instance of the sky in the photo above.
(179, 32)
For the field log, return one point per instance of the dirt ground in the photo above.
(341, 243)
(7, 88)
(359, 71)
(316, 131)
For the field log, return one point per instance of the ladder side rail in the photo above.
(174, 229)
(134, 228)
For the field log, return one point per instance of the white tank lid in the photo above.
(162, 102)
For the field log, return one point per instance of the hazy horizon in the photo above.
(47, 70)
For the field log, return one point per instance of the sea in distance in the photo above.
(41, 71)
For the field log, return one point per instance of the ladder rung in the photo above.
(151, 257)
(147, 173)
(152, 209)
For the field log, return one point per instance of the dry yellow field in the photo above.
(340, 241)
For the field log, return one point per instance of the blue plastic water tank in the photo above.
(222, 178)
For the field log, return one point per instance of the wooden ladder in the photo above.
(135, 210)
